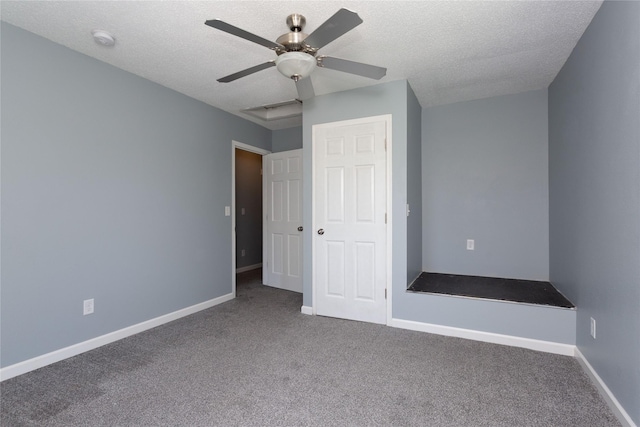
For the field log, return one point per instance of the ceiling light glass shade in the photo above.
(295, 65)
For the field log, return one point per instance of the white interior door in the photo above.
(284, 220)
(349, 184)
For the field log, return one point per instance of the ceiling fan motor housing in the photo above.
(294, 41)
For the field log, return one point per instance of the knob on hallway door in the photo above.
(300, 228)
(321, 231)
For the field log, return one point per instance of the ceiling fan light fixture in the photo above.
(295, 65)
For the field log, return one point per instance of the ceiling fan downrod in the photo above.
(293, 41)
(296, 22)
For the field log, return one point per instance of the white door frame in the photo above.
(262, 152)
(389, 203)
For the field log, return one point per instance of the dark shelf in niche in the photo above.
(513, 290)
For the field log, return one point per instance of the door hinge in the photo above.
(385, 293)
(385, 144)
(385, 218)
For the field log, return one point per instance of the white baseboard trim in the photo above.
(604, 391)
(305, 309)
(75, 349)
(450, 331)
(248, 267)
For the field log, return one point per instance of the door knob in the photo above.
(321, 232)
(300, 228)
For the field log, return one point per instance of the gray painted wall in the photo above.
(286, 139)
(519, 320)
(385, 98)
(249, 197)
(113, 188)
(485, 177)
(594, 141)
(414, 186)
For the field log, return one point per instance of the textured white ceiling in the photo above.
(449, 51)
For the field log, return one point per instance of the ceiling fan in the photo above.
(298, 52)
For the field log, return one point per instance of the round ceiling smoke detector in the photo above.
(103, 38)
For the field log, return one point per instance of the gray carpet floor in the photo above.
(257, 361)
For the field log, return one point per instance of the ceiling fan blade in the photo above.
(228, 28)
(305, 88)
(352, 67)
(342, 21)
(243, 73)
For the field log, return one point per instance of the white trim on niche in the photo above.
(73, 350)
(510, 340)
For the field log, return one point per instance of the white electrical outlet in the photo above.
(470, 244)
(87, 306)
(593, 328)
(242, 252)
(227, 211)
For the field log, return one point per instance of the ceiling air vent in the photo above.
(281, 110)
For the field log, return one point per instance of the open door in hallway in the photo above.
(284, 220)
